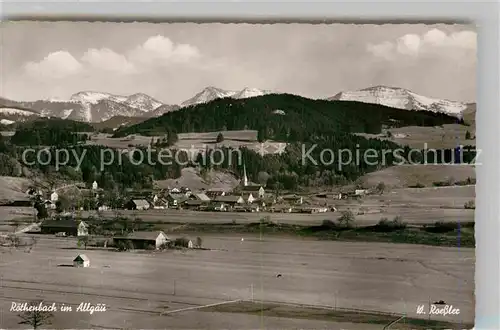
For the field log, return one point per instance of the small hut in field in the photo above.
(81, 260)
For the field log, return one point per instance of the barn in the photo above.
(68, 226)
(144, 239)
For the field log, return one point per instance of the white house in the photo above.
(54, 197)
(94, 185)
(360, 192)
(257, 190)
(81, 260)
(248, 198)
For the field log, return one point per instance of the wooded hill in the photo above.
(303, 119)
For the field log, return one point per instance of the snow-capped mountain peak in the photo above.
(401, 98)
(211, 93)
(94, 97)
(250, 92)
(143, 102)
(208, 94)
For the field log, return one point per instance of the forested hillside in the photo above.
(285, 117)
(50, 132)
(305, 124)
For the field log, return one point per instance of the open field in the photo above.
(411, 175)
(446, 136)
(191, 177)
(13, 187)
(409, 215)
(137, 287)
(192, 141)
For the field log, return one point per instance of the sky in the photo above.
(173, 62)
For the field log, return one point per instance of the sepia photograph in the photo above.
(237, 176)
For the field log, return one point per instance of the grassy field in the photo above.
(193, 141)
(137, 287)
(13, 187)
(447, 234)
(446, 136)
(192, 178)
(332, 314)
(411, 175)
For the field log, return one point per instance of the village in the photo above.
(66, 220)
(246, 197)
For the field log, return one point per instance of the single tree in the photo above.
(347, 219)
(262, 177)
(36, 318)
(172, 138)
(220, 138)
(42, 212)
(84, 240)
(467, 135)
(261, 135)
(380, 187)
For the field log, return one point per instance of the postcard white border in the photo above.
(484, 14)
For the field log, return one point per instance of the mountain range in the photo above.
(401, 98)
(98, 107)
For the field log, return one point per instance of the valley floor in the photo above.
(137, 286)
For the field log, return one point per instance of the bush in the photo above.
(199, 242)
(124, 245)
(389, 225)
(446, 183)
(167, 245)
(329, 224)
(441, 227)
(470, 205)
(417, 185)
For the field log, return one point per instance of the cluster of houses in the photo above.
(247, 197)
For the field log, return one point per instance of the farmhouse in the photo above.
(201, 197)
(68, 226)
(215, 192)
(219, 207)
(248, 198)
(54, 197)
(192, 204)
(230, 200)
(81, 260)
(281, 208)
(360, 192)
(293, 199)
(257, 190)
(176, 199)
(159, 204)
(144, 239)
(137, 204)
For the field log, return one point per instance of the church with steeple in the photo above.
(244, 179)
(247, 187)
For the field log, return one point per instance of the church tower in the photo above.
(244, 181)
